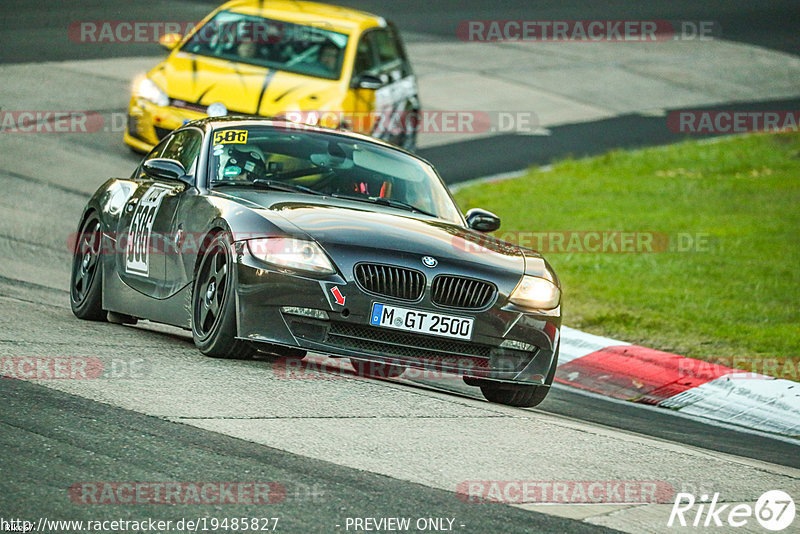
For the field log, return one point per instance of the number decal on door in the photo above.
(390, 105)
(137, 254)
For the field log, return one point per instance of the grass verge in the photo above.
(714, 229)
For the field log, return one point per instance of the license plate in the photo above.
(423, 322)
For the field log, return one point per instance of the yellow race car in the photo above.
(307, 62)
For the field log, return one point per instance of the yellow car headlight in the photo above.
(148, 90)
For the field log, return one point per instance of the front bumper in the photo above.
(263, 291)
(148, 123)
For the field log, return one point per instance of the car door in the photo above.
(187, 152)
(145, 223)
(387, 108)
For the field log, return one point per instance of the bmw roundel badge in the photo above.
(429, 261)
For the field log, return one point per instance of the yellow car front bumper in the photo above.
(148, 123)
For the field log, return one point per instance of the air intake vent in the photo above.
(389, 281)
(459, 292)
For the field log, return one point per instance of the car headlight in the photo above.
(533, 292)
(148, 90)
(292, 253)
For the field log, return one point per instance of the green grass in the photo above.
(735, 297)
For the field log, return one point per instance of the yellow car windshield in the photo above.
(307, 50)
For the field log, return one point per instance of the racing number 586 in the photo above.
(139, 236)
(230, 136)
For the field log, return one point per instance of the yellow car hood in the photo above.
(243, 88)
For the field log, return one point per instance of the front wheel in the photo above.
(213, 305)
(521, 395)
(86, 280)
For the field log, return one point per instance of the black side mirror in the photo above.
(482, 220)
(166, 169)
(367, 81)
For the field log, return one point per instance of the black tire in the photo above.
(213, 304)
(521, 395)
(370, 369)
(86, 280)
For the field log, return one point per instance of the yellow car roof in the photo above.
(312, 13)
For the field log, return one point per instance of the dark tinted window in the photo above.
(312, 50)
(379, 52)
(365, 57)
(385, 44)
(155, 153)
(157, 150)
(184, 146)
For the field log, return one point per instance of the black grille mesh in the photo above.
(386, 341)
(459, 292)
(397, 282)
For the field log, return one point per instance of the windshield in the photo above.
(309, 50)
(321, 163)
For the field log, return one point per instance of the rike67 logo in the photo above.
(774, 510)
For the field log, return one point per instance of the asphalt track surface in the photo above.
(71, 438)
(32, 32)
(90, 441)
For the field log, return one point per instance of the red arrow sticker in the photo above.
(338, 296)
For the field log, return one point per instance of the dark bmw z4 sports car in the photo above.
(262, 235)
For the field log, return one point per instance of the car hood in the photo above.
(249, 89)
(352, 231)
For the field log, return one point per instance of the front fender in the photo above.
(108, 201)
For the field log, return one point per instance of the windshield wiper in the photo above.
(269, 184)
(284, 186)
(386, 202)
